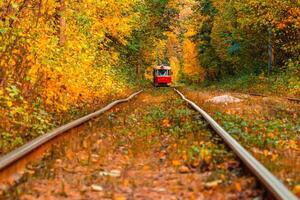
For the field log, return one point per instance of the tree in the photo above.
(62, 22)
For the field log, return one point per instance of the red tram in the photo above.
(162, 76)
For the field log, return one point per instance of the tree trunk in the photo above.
(137, 71)
(271, 59)
(39, 13)
(62, 22)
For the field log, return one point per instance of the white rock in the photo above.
(224, 99)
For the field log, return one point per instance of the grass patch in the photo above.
(283, 85)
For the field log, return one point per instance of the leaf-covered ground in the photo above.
(154, 147)
(267, 126)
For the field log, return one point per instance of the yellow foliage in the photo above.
(205, 155)
(175, 65)
(81, 69)
(9, 103)
(191, 66)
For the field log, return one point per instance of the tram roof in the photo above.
(162, 67)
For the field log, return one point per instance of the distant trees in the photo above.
(142, 49)
(236, 36)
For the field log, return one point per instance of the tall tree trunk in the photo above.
(137, 71)
(2, 77)
(62, 22)
(271, 54)
(39, 13)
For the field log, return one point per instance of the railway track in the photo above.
(271, 183)
(278, 190)
(15, 155)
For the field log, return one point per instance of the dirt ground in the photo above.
(154, 147)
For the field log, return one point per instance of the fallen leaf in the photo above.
(104, 173)
(112, 173)
(266, 153)
(166, 123)
(238, 187)
(94, 157)
(115, 173)
(97, 188)
(184, 169)
(176, 162)
(159, 189)
(274, 156)
(296, 189)
(58, 161)
(271, 135)
(146, 167)
(119, 197)
(185, 157)
(212, 184)
(29, 171)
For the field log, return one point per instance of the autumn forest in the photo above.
(62, 59)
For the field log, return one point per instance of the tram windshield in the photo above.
(162, 72)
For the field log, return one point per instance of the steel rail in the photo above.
(275, 186)
(20, 152)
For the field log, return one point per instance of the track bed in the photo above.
(153, 147)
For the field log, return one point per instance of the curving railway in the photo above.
(16, 162)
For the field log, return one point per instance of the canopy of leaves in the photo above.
(57, 56)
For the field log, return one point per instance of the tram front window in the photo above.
(162, 72)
